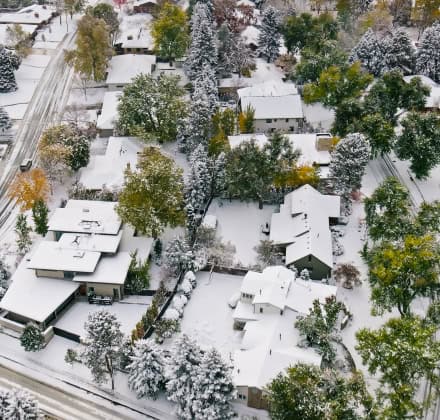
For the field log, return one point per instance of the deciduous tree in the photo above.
(106, 12)
(152, 197)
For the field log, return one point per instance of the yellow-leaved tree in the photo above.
(28, 188)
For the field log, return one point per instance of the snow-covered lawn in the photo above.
(241, 223)
(207, 317)
(129, 312)
(93, 97)
(27, 76)
(51, 35)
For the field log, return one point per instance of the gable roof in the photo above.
(273, 107)
(302, 224)
(109, 112)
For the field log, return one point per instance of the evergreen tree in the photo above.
(207, 83)
(39, 215)
(420, 142)
(32, 338)
(349, 160)
(179, 257)
(214, 388)
(242, 59)
(269, 37)
(370, 52)
(203, 46)
(79, 147)
(18, 404)
(400, 53)
(428, 53)
(146, 370)
(347, 115)
(9, 62)
(102, 345)
(23, 234)
(185, 359)
(226, 49)
(5, 121)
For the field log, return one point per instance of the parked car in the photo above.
(25, 165)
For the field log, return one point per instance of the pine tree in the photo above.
(428, 54)
(23, 234)
(179, 257)
(146, 370)
(226, 49)
(214, 388)
(400, 53)
(348, 163)
(32, 338)
(79, 146)
(370, 51)
(9, 62)
(39, 214)
(207, 83)
(197, 131)
(203, 47)
(102, 345)
(242, 58)
(185, 359)
(5, 121)
(269, 38)
(17, 404)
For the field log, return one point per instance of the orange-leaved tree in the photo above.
(29, 187)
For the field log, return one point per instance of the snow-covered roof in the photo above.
(108, 169)
(273, 107)
(123, 68)
(35, 297)
(109, 112)
(250, 35)
(91, 242)
(433, 100)
(86, 216)
(50, 255)
(110, 270)
(34, 14)
(141, 2)
(134, 31)
(269, 347)
(279, 287)
(425, 79)
(260, 139)
(269, 88)
(27, 28)
(131, 243)
(302, 224)
(236, 82)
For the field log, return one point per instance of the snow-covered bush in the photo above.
(32, 338)
(18, 404)
(178, 303)
(338, 248)
(305, 275)
(171, 313)
(186, 288)
(165, 328)
(191, 277)
(179, 256)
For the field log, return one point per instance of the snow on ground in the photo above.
(94, 97)
(129, 311)
(171, 149)
(51, 35)
(208, 318)
(27, 76)
(266, 71)
(241, 223)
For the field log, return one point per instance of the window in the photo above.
(269, 120)
(287, 119)
(261, 310)
(275, 120)
(291, 128)
(310, 258)
(241, 397)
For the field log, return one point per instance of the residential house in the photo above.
(123, 68)
(134, 35)
(145, 6)
(36, 14)
(276, 105)
(267, 310)
(301, 230)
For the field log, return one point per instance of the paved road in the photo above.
(45, 107)
(62, 404)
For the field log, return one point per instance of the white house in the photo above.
(108, 169)
(109, 114)
(134, 34)
(87, 250)
(123, 68)
(267, 310)
(276, 105)
(301, 229)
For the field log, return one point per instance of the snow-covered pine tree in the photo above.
(428, 54)
(206, 82)
(9, 62)
(4, 276)
(399, 52)
(203, 47)
(184, 361)
(370, 51)
(5, 121)
(102, 345)
(219, 174)
(18, 404)
(359, 7)
(227, 44)
(348, 163)
(214, 388)
(179, 256)
(243, 58)
(32, 338)
(126, 352)
(146, 370)
(269, 39)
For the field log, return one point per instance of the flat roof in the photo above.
(109, 111)
(123, 68)
(131, 243)
(91, 242)
(86, 216)
(49, 255)
(110, 270)
(35, 297)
